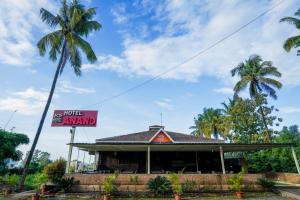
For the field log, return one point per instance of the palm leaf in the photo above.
(269, 90)
(84, 28)
(75, 60)
(271, 82)
(54, 40)
(48, 17)
(86, 48)
(291, 42)
(270, 71)
(291, 20)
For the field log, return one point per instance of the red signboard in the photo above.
(75, 118)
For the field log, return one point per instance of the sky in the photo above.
(138, 40)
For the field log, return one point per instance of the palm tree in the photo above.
(295, 40)
(72, 23)
(256, 73)
(210, 123)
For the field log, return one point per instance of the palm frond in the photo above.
(267, 71)
(83, 28)
(240, 85)
(291, 20)
(253, 89)
(297, 13)
(86, 48)
(75, 60)
(237, 69)
(48, 17)
(269, 90)
(291, 42)
(53, 40)
(271, 82)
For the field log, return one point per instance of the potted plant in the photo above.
(175, 184)
(109, 186)
(236, 185)
(158, 185)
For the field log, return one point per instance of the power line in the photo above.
(187, 60)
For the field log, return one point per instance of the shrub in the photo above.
(65, 184)
(236, 182)
(56, 170)
(109, 185)
(158, 185)
(34, 181)
(175, 183)
(11, 180)
(266, 183)
(189, 186)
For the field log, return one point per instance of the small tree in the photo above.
(158, 185)
(175, 183)
(56, 170)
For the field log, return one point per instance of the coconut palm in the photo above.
(210, 123)
(256, 73)
(295, 40)
(73, 22)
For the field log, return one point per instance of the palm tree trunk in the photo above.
(268, 137)
(62, 62)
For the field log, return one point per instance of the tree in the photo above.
(211, 123)
(256, 73)
(9, 142)
(39, 160)
(295, 40)
(277, 159)
(72, 22)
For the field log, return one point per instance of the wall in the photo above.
(205, 182)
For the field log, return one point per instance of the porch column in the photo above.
(148, 160)
(222, 159)
(295, 159)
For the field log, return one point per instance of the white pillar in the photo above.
(95, 161)
(222, 159)
(70, 149)
(295, 159)
(148, 160)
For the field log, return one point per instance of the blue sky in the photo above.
(139, 40)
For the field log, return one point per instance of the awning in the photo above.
(227, 147)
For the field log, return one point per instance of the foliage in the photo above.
(277, 159)
(256, 74)
(158, 185)
(39, 160)
(34, 181)
(292, 42)
(11, 180)
(189, 186)
(109, 185)
(134, 180)
(266, 183)
(236, 182)
(210, 123)
(175, 183)
(9, 142)
(65, 184)
(55, 170)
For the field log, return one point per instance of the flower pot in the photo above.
(35, 197)
(177, 197)
(106, 197)
(239, 195)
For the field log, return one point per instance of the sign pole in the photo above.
(70, 149)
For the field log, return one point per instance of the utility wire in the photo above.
(187, 60)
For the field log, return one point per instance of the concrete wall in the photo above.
(204, 182)
(284, 177)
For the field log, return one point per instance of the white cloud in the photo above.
(67, 87)
(224, 90)
(27, 102)
(18, 19)
(290, 109)
(165, 103)
(184, 31)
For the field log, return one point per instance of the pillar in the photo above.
(197, 167)
(222, 159)
(148, 160)
(295, 159)
(70, 149)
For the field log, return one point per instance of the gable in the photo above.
(161, 138)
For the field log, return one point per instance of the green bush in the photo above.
(175, 183)
(158, 185)
(65, 184)
(56, 170)
(236, 182)
(34, 181)
(266, 183)
(109, 185)
(189, 186)
(11, 180)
